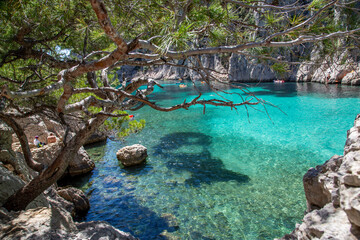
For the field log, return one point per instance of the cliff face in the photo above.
(343, 67)
(167, 72)
(332, 192)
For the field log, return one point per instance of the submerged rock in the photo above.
(171, 221)
(132, 155)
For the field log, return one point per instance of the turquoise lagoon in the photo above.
(223, 174)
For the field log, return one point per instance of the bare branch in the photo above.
(95, 53)
(236, 48)
(106, 114)
(9, 80)
(36, 92)
(105, 23)
(90, 101)
(267, 6)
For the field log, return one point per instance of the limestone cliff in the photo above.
(343, 67)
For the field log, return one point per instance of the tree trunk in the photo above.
(23, 141)
(19, 200)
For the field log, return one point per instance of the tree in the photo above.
(60, 57)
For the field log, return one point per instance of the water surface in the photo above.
(222, 175)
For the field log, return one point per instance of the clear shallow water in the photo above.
(219, 176)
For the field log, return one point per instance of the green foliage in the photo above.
(178, 25)
(218, 36)
(280, 68)
(262, 51)
(123, 126)
(317, 4)
(178, 39)
(272, 19)
(133, 127)
(296, 19)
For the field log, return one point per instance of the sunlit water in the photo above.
(221, 175)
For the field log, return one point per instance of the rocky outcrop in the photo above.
(96, 137)
(54, 223)
(343, 67)
(42, 127)
(321, 184)
(325, 223)
(76, 123)
(50, 215)
(132, 155)
(79, 164)
(175, 73)
(332, 192)
(242, 69)
(10, 183)
(77, 197)
(11, 160)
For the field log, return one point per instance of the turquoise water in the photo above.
(221, 175)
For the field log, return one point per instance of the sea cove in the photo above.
(194, 162)
(221, 175)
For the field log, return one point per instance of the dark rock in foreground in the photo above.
(54, 223)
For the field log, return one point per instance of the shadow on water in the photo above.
(76, 181)
(288, 89)
(115, 204)
(202, 166)
(303, 88)
(277, 89)
(112, 197)
(141, 169)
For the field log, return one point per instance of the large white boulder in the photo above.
(132, 155)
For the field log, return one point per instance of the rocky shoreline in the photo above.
(50, 215)
(332, 192)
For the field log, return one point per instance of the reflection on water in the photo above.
(217, 176)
